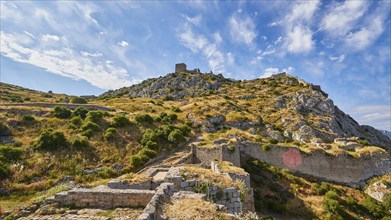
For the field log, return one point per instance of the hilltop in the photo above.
(179, 124)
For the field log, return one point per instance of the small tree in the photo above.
(61, 112)
(176, 137)
(79, 100)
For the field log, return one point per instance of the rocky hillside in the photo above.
(281, 107)
(48, 146)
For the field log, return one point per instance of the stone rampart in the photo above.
(104, 197)
(154, 208)
(341, 168)
(205, 155)
(52, 105)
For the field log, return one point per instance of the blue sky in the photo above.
(87, 47)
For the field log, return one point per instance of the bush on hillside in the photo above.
(144, 118)
(176, 137)
(273, 141)
(373, 207)
(9, 153)
(28, 118)
(95, 116)
(76, 120)
(185, 129)
(79, 100)
(90, 125)
(120, 120)
(149, 135)
(4, 131)
(152, 145)
(147, 152)
(175, 109)
(110, 134)
(4, 170)
(266, 147)
(51, 140)
(80, 111)
(61, 112)
(80, 143)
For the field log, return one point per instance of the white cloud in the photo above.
(48, 37)
(230, 58)
(302, 11)
(273, 70)
(199, 43)
(363, 38)
(217, 37)
(298, 33)
(299, 40)
(242, 29)
(341, 19)
(123, 43)
(378, 116)
(87, 54)
(194, 20)
(65, 62)
(29, 34)
(339, 59)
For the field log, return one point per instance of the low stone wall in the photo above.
(52, 105)
(154, 208)
(104, 197)
(120, 184)
(342, 168)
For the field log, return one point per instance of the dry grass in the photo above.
(207, 175)
(133, 178)
(192, 209)
(227, 167)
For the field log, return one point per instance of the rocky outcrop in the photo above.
(173, 86)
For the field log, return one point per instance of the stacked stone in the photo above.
(104, 198)
(154, 208)
(121, 184)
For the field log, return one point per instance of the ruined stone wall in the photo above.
(231, 155)
(52, 105)
(104, 198)
(205, 155)
(341, 168)
(154, 208)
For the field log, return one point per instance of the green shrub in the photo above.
(175, 109)
(28, 118)
(61, 112)
(266, 147)
(106, 173)
(273, 141)
(152, 145)
(120, 120)
(189, 123)
(274, 206)
(80, 143)
(387, 201)
(90, 125)
(373, 207)
(363, 142)
(332, 195)
(176, 137)
(185, 129)
(4, 170)
(79, 100)
(110, 134)
(88, 133)
(9, 153)
(137, 160)
(149, 135)
(4, 131)
(147, 152)
(331, 205)
(95, 116)
(80, 111)
(51, 140)
(144, 118)
(76, 120)
(172, 117)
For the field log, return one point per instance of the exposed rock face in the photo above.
(173, 86)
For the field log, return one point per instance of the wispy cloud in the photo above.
(343, 16)
(66, 62)
(123, 43)
(378, 116)
(199, 43)
(339, 59)
(299, 36)
(242, 29)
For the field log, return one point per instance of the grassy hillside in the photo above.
(42, 147)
